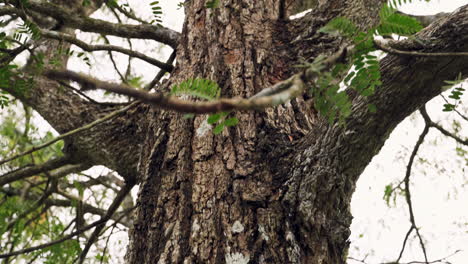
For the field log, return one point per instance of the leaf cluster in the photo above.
(455, 94)
(207, 90)
(157, 13)
(362, 73)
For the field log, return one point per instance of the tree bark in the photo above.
(277, 187)
(225, 199)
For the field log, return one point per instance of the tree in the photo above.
(270, 186)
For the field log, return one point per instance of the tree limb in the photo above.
(278, 94)
(385, 45)
(431, 123)
(110, 211)
(88, 47)
(70, 133)
(426, 20)
(31, 171)
(408, 193)
(73, 20)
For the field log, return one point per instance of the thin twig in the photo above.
(128, 14)
(110, 211)
(441, 260)
(49, 191)
(383, 45)
(94, 236)
(161, 73)
(114, 64)
(404, 243)
(408, 192)
(70, 133)
(455, 110)
(431, 123)
(33, 170)
(285, 91)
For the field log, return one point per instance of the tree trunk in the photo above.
(277, 187)
(228, 198)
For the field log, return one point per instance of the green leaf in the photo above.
(372, 108)
(394, 23)
(212, 4)
(213, 118)
(388, 193)
(231, 121)
(157, 13)
(218, 129)
(340, 25)
(200, 88)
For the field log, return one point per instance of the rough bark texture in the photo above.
(225, 199)
(277, 187)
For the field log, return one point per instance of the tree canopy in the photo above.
(341, 97)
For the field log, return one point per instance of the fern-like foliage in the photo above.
(20, 84)
(329, 101)
(456, 93)
(393, 23)
(199, 88)
(208, 90)
(365, 76)
(4, 99)
(340, 26)
(157, 13)
(27, 30)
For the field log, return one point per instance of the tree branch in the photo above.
(161, 73)
(275, 95)
(431, 123)
(408, 193)
(70, 202)
(385, 45)
(70, 133)
(73, 20)
(31, 171)
(426, 20)
(110, 211)
(87, 47)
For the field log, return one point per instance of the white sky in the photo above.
(439, 191)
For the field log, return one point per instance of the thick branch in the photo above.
(73, 20)
(386, 45)
(31, 171)
(330, 159)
